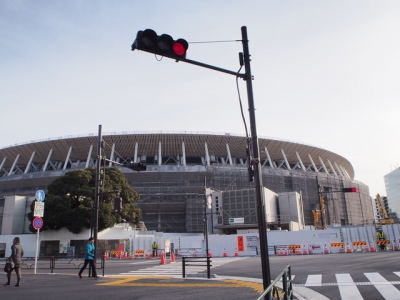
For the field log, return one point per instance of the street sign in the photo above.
(40, 195)
(37, 223)
(39, 209)
(236, 220)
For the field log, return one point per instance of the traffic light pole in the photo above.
(139, 44)
(262, 225)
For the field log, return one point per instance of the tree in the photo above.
(70, 199)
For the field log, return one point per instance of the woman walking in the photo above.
(16, 256)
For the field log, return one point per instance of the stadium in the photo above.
(180, 165)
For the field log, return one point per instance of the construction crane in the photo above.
(382, 211)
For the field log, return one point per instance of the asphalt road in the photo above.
(124, 278)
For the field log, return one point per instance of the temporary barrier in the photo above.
(139, 253)
(382, 242)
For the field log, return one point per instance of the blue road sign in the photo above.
(40, 195)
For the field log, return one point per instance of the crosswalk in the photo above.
(175, 269)
(350, 289)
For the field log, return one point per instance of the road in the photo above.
(336, 276)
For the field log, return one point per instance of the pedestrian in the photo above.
(17, 252)
(89, 258)
(381, 236)
(154, 246)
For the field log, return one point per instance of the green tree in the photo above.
(70, 199)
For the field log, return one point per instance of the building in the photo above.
(392, 185)
(180, 165)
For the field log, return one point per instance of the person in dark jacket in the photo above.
(89, 258)
(17, 252)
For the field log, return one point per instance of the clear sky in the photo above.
(326, 73)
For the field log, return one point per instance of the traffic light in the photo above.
(349, 190)
(118, 204)
(164, 45)
(137, 166)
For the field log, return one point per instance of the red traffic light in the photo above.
(349, 190)
(164, 45)
(180, 46)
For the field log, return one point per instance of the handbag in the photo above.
(7, 267)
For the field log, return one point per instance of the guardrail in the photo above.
(196, 261)
(286, 293)
(58, 263)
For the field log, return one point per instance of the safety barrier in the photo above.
(287, 289)
(196, 261)
(59, 263)
(139, 253)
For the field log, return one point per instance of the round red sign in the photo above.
(37, 223)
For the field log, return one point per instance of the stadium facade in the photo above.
(179, 165)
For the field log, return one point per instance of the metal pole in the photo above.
(262, 226)
(205, 215)
(37, 248)
(97, 192)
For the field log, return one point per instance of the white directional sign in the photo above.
(39, 209)
(40, 195)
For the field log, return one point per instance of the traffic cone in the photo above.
(298, 251)
(148, 254)
(326, 250)
(310, 250)
(395, 246)
(162, 260)
(236, 252)
(225, 254)
(348, 249)
(366, 248)
(105, 255)
(209, 253)
(371, 247)
(305, 252)
(172, 257)
(195, 253)
(179, 253)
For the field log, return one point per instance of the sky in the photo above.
(326, 73)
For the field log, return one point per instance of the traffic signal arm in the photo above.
(147, 41)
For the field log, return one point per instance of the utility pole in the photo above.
(97, 190)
